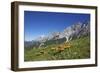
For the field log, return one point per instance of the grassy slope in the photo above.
(80, 49)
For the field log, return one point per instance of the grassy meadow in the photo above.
(74, 49)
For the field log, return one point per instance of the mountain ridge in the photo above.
(74, 31)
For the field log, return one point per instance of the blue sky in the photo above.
(42, 23)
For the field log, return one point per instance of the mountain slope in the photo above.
(69, 33)
(79, 49)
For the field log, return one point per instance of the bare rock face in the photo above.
(72, 32)
(56, 35)
(75, 31)
(42, 38)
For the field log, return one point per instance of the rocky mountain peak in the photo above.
(75, 30)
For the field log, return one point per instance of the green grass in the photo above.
(80, 49)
